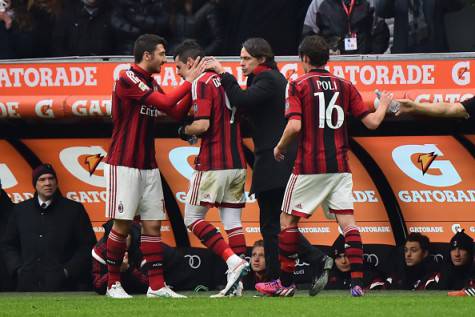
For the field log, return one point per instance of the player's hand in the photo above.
(386, 98)
(213, 64)
(278, 154)
(191, 139)
(125, 262)
(198, 67)
(406, 106)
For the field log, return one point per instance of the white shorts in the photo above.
(223, 188)
(304, 193)
(132, 192)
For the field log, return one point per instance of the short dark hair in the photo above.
(147, 43)
(423, 240)
(188, 48)
(258, 47)
(258, 243)
(316, 48)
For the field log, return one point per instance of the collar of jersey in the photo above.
(141, 71)
(319, 70)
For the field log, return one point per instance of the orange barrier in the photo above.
(433, 180)
(49, 90)
(78, 163)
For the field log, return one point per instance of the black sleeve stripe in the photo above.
(124, 82)
(293, 114)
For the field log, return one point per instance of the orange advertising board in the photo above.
(74, 161)
(15, 173)
(175, 159)
(433, 180)
(49, 90)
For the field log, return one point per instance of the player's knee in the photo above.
(231, 218)
(193, 214)
(287, 220)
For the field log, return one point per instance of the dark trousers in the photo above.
(270, 203)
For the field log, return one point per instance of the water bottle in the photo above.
(393, 106)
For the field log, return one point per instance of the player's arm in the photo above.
(439, 109)
(292, 130)
(202, 99)
(260, 91)
(293, 112)
(373, 120)
(198, 127)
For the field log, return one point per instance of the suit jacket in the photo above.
(263, 103)
(39, 244)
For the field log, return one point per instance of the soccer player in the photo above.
(220, 169)
(263, 102)
(133, 180)
(318, 105)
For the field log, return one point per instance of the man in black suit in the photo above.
(263, 104)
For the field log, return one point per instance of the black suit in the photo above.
(263, 103)
(40, 244)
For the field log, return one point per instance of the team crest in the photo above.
(120, 208)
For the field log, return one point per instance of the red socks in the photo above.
(354, 251)
(115, 254)
(152, 251)
(210, 237)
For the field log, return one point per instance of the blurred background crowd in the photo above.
(53, 28)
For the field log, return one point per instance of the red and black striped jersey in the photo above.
(137, 100)
(221, 145)
(323, 102)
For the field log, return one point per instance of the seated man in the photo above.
(340, 275)
(418, 271)
(133, 276)
(319, 269)
(48, 239)
(258, 266)
(460, 266)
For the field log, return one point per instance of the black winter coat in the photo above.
(39, 244)
(131, 18)
(263, 103)
(79, 33)
(332, 21)
(204, 25)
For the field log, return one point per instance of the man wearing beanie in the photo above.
(460, 265)
(48, 239)
(340, 275)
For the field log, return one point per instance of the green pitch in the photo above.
(329, 303)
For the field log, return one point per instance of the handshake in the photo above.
(191, 139)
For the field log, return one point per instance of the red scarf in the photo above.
(260, 68)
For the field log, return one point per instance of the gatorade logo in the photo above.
(85, 169)
(444, 174)
(426, 160)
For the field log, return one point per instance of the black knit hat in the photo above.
(338, 246)
(41, 170)
(463, 241)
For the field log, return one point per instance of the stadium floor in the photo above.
(328, 303)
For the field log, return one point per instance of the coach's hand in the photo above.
(279, 154)
(213, 64)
